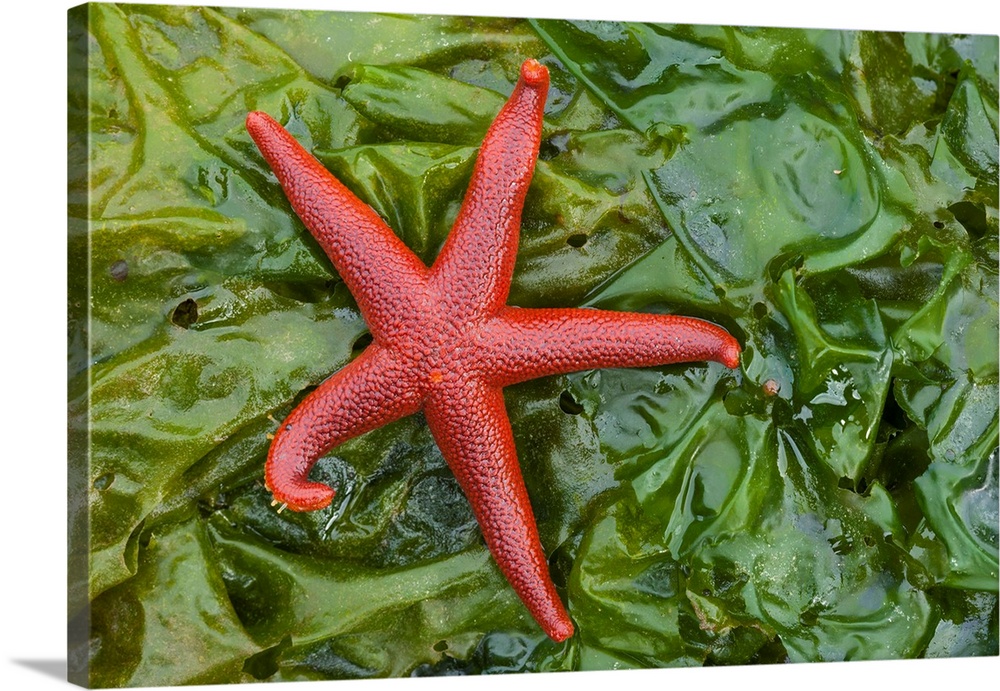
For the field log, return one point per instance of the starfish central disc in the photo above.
(444, 340)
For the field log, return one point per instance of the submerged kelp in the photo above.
(829, 197)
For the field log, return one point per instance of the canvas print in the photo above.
(427, 345)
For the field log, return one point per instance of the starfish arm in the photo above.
(473, 271)
(354, 237)
(369, 392)
(470, 425)
(526, 343)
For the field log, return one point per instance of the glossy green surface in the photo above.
(829, 197)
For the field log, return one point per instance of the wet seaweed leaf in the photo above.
(830, 197)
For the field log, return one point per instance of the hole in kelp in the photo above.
(185, 314)
(568, 404)
(577, 240)
(119, 270)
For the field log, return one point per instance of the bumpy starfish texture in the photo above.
(445, 342)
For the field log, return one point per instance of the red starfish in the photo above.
(445, 342)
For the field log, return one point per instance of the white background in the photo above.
(33, 333)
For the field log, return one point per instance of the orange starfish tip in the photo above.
(560, 631)
(730, 355)
(256, 120)
(534, 73)
(301, 496)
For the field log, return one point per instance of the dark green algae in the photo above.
(829, 197)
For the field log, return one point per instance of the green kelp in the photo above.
(830, 197)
